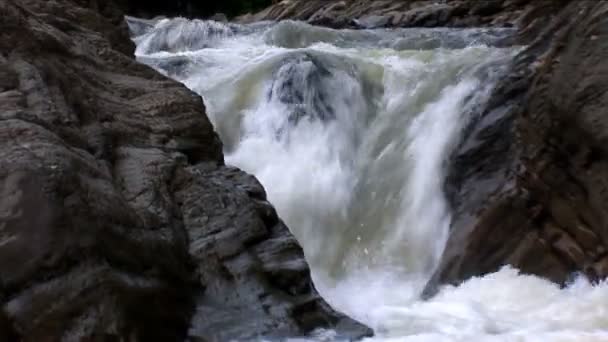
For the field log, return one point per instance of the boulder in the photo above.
(118, 217)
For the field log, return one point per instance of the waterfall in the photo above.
(350, 132)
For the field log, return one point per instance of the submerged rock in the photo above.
(118, 217)
(300, 85)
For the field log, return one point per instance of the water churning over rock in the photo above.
(350, 132)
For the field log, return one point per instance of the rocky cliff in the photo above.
(189, 8)
(528, 182)
(120, 221)
(118, 218)
(412, 13)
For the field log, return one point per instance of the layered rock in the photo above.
(414, 13)
(189, 8)
(118, 217)
(528, 183)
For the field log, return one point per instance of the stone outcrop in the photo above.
(528, 183)
(118, 218)
(411, 13)
(120, 221)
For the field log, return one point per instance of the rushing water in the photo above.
(349, 132)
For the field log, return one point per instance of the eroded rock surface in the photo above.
(414, 13)
(528, 183)
(118, 218)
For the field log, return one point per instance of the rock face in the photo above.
(118, 217)
(529, 182)
(398, 13)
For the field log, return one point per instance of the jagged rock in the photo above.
(528, 182)
(257, 281)
(421, 13)
(118, 217)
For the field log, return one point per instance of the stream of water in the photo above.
(349, 132)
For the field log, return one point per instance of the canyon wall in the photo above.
(118, 217)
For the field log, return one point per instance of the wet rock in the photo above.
(397, 13)
(432, 15)
(118, 217)
(528, 182)
(257, 281)
(300, 85)
(487, 8)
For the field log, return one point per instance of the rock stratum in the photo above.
(118, 219)
(411, 13)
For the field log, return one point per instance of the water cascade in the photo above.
(350, 133)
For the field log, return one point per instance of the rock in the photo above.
(428, 16)
(257, 281)
(528, 182)
(397, 13)
(487, 7)
(118, 217)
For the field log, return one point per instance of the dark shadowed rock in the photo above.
(399, 13)
(528, 182)
(118, 218)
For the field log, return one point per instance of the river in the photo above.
(350, 133)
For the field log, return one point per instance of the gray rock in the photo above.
(118, 217)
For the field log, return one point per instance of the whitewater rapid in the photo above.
(350, 132)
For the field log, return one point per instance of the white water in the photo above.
(349, 132)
